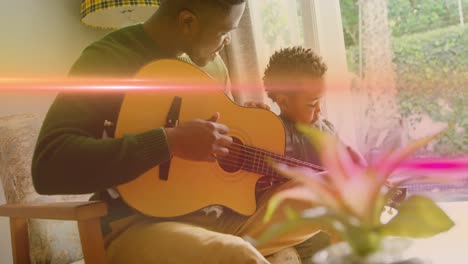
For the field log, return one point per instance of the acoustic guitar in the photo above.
(183, 186)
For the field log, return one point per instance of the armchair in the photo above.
(37, 240)
(87, 215)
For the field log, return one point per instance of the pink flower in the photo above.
(347, 187)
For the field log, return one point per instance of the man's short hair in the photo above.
(224, 4)
(289, 64)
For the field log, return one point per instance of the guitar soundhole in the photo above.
(236, 157)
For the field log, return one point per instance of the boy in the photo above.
(294, 79)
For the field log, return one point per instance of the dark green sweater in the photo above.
(70, 156)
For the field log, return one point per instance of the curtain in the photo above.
(241, 59)
(381, 124)
(266, 26)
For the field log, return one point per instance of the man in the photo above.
(72, 158)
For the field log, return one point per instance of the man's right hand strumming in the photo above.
(198, 139)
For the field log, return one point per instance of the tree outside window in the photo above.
(430, 62)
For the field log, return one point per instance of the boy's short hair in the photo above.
(289, 64)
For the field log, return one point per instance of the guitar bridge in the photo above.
(172, 120)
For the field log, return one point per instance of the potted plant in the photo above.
(349, 202)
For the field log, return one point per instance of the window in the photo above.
(312, 24)
(428, 59)
(277, 24)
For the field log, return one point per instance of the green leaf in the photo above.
(362, 239)
(418, 217)
(291, 214)
(392, 161)
(298, 193)
(365, 242)
(314, 189)
(318, 217)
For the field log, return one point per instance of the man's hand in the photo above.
(198, 139)
(257, 104)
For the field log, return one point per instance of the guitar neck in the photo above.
(259, 161)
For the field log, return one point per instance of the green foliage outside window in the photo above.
(431, 58)
(406, 17)
(350, 21)
(274, 24)
(432, 79)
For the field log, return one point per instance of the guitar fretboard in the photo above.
(258, 161)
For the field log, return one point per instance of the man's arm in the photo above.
(71, 158)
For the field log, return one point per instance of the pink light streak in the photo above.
(455, 168)
(55, 84)
(97, 85)
(438, 163)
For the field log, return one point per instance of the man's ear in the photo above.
(188, 23)
(282, 101)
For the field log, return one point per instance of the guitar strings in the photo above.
(268, 170)
(288, 160)
(281, 157)
(262, 166)
(253, 154)
(245, 152)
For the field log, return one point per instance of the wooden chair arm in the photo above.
(87, 214)
(79, 211)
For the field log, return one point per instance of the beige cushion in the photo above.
(285, 256)
(18, 134)
(50, 241)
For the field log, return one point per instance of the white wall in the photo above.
(39, 38)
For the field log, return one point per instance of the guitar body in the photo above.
(192, 185)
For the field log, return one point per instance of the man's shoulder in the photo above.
(216, 69)
(113, 54)
(116, 40)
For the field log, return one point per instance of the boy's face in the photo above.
(301, 104)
